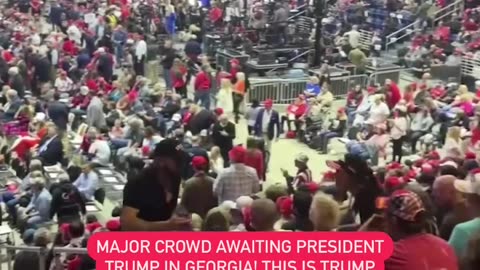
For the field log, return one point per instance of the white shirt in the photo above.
(267, 114)
(102, 151)
(63, 85)
(141, 49)
(353, 38)
(378, 113)
(399, 128)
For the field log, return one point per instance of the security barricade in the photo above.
(42, 253)
(284, 91)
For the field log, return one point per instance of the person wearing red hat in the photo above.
(236, 180)
(198, 196)
(234, 69)
(267, 124)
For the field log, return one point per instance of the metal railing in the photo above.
(285, 91)
(301, 11)
(471, 66)
(408, 30)
(365, 39)
(42, 253)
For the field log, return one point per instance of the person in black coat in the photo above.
(191, 152)
(223, 134)
(58, 112)
(67, 202)
(50, 150)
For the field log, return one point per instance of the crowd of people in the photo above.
(72, 77)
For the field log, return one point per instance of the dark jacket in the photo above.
(15, 105)
(274, 122)
(51, 153)
(201, 120)
(42, 70)
(192, 47)
(194, 151)
(222, 141)
(58, 112)
(17, 83)
(168, 57)
(67, 202)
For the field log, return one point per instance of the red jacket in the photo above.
(297, 110)
(82, 101)
(254, 159)
(202, 82)
(393, 95)
(177, 77)
(215, 14)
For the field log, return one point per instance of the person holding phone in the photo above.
(150, 198)
(303, 176)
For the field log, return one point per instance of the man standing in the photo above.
(236, 180)
(223, 135)
(267, 121)
(95, 115)
(353, 37)
(203, 86)
(140, 55)
(58, 112)
(119, 38)
(280, 18)
(198, 196)
(168, 56)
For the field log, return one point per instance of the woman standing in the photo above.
(224, 96)
(239, 90)
(399, 127)
(179, 71)
(251, 115)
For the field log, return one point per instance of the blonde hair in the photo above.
(225, 83)
(215, 151)
(462, 89)
(454, 133)
(196, 222)
(240, 76)
(314, 79)
(327, 212)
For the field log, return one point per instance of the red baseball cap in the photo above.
(237, 154)
(199, 162)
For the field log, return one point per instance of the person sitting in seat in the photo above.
(99, 150)
(38, 211)
(50, 150)
(336, 129)
(67, 201)
(87, 183)
(295, 111)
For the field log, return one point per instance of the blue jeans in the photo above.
(119, 143)
(119, 53)
(325, 138)
(12, 210)
(203, 97)
(167, 77)
(33, 221)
